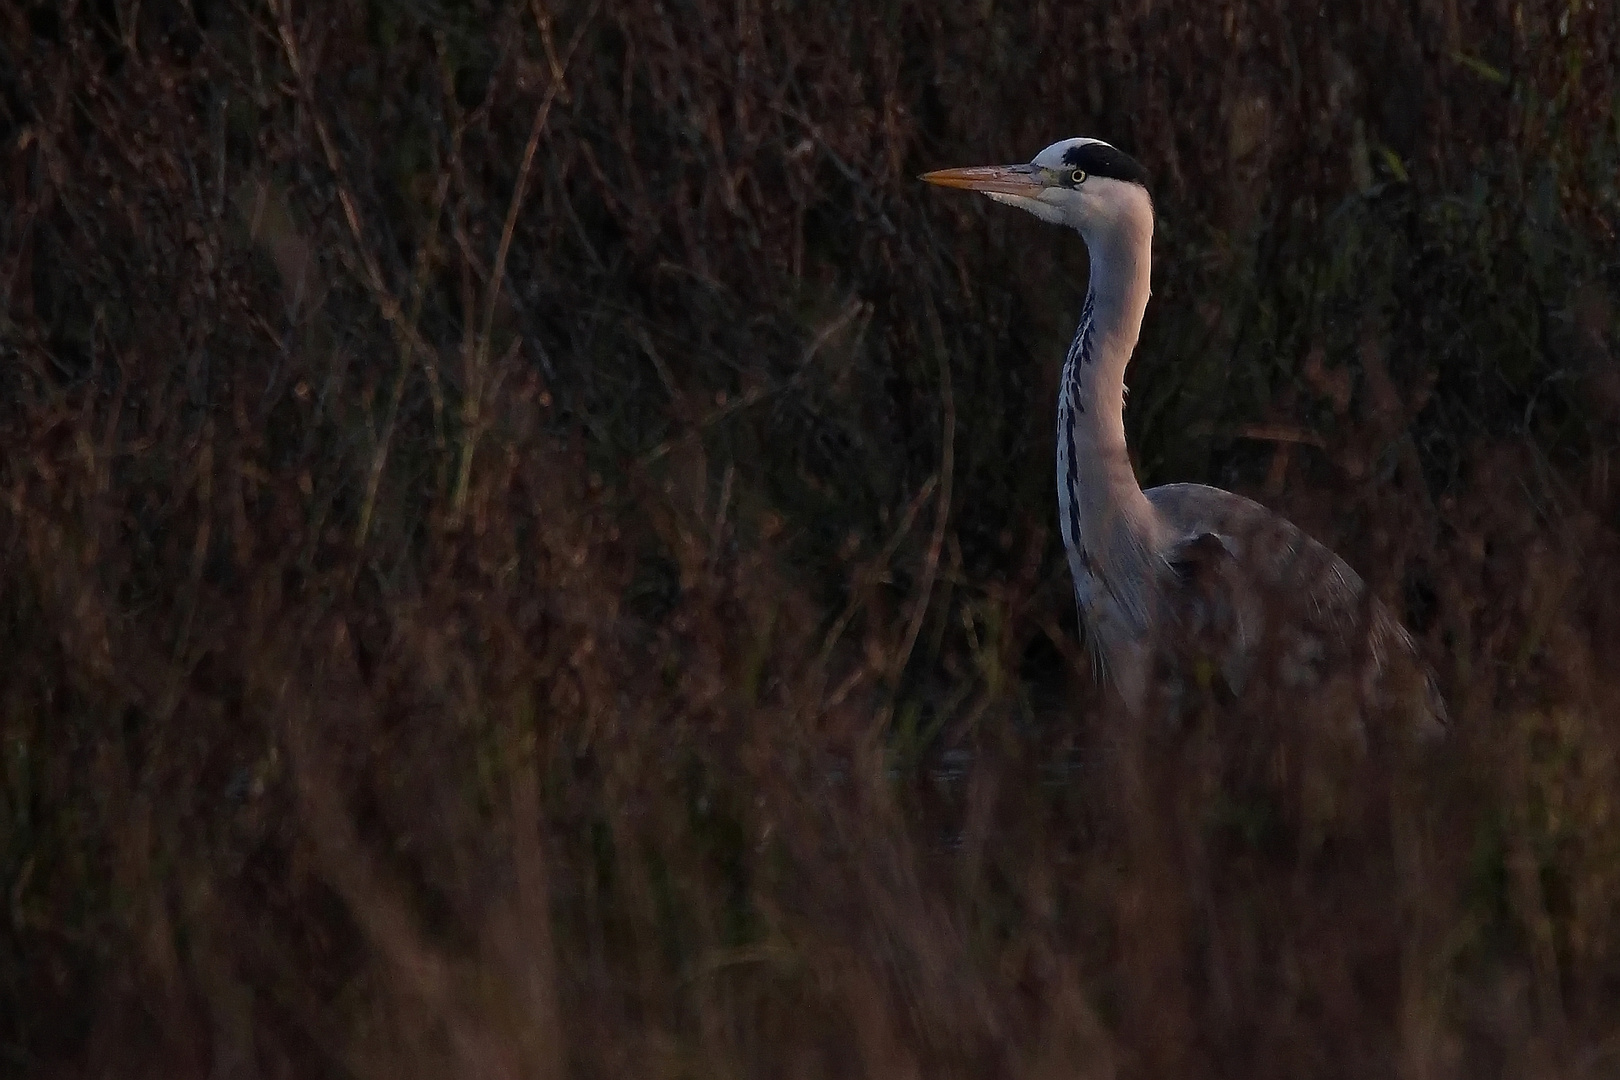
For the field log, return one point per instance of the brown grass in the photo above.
(526, 540)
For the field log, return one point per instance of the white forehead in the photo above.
(1052, 156)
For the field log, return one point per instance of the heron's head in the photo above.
(1083, 183)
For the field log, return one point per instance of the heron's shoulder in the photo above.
(1272, 551)
(1243, 567)
(1192, 507)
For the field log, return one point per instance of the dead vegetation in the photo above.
(525, 539)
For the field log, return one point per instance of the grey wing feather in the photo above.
(1244, 574)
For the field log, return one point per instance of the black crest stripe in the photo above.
(1100, 159)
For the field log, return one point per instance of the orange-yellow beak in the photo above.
(992, 179)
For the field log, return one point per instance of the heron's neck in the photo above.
(1108, 524)
(1121, 266)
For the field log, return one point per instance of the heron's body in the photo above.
(1183, 565)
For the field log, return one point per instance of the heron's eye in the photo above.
(1077, 177)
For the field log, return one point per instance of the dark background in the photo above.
(526, 535)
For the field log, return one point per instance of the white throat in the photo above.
(1109, 528)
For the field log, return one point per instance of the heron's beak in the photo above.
(991, 179)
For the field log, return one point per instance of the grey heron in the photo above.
(1184, 563)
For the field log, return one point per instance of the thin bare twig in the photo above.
(385, 299)
(406, 336)
(753, 396)
(472, 402)
(848, 171)
(379, 459)
(869, 574)
(942, 507)
(1277, 433)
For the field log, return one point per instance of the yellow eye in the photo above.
(1077, 177)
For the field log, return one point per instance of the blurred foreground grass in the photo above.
(526, 549)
